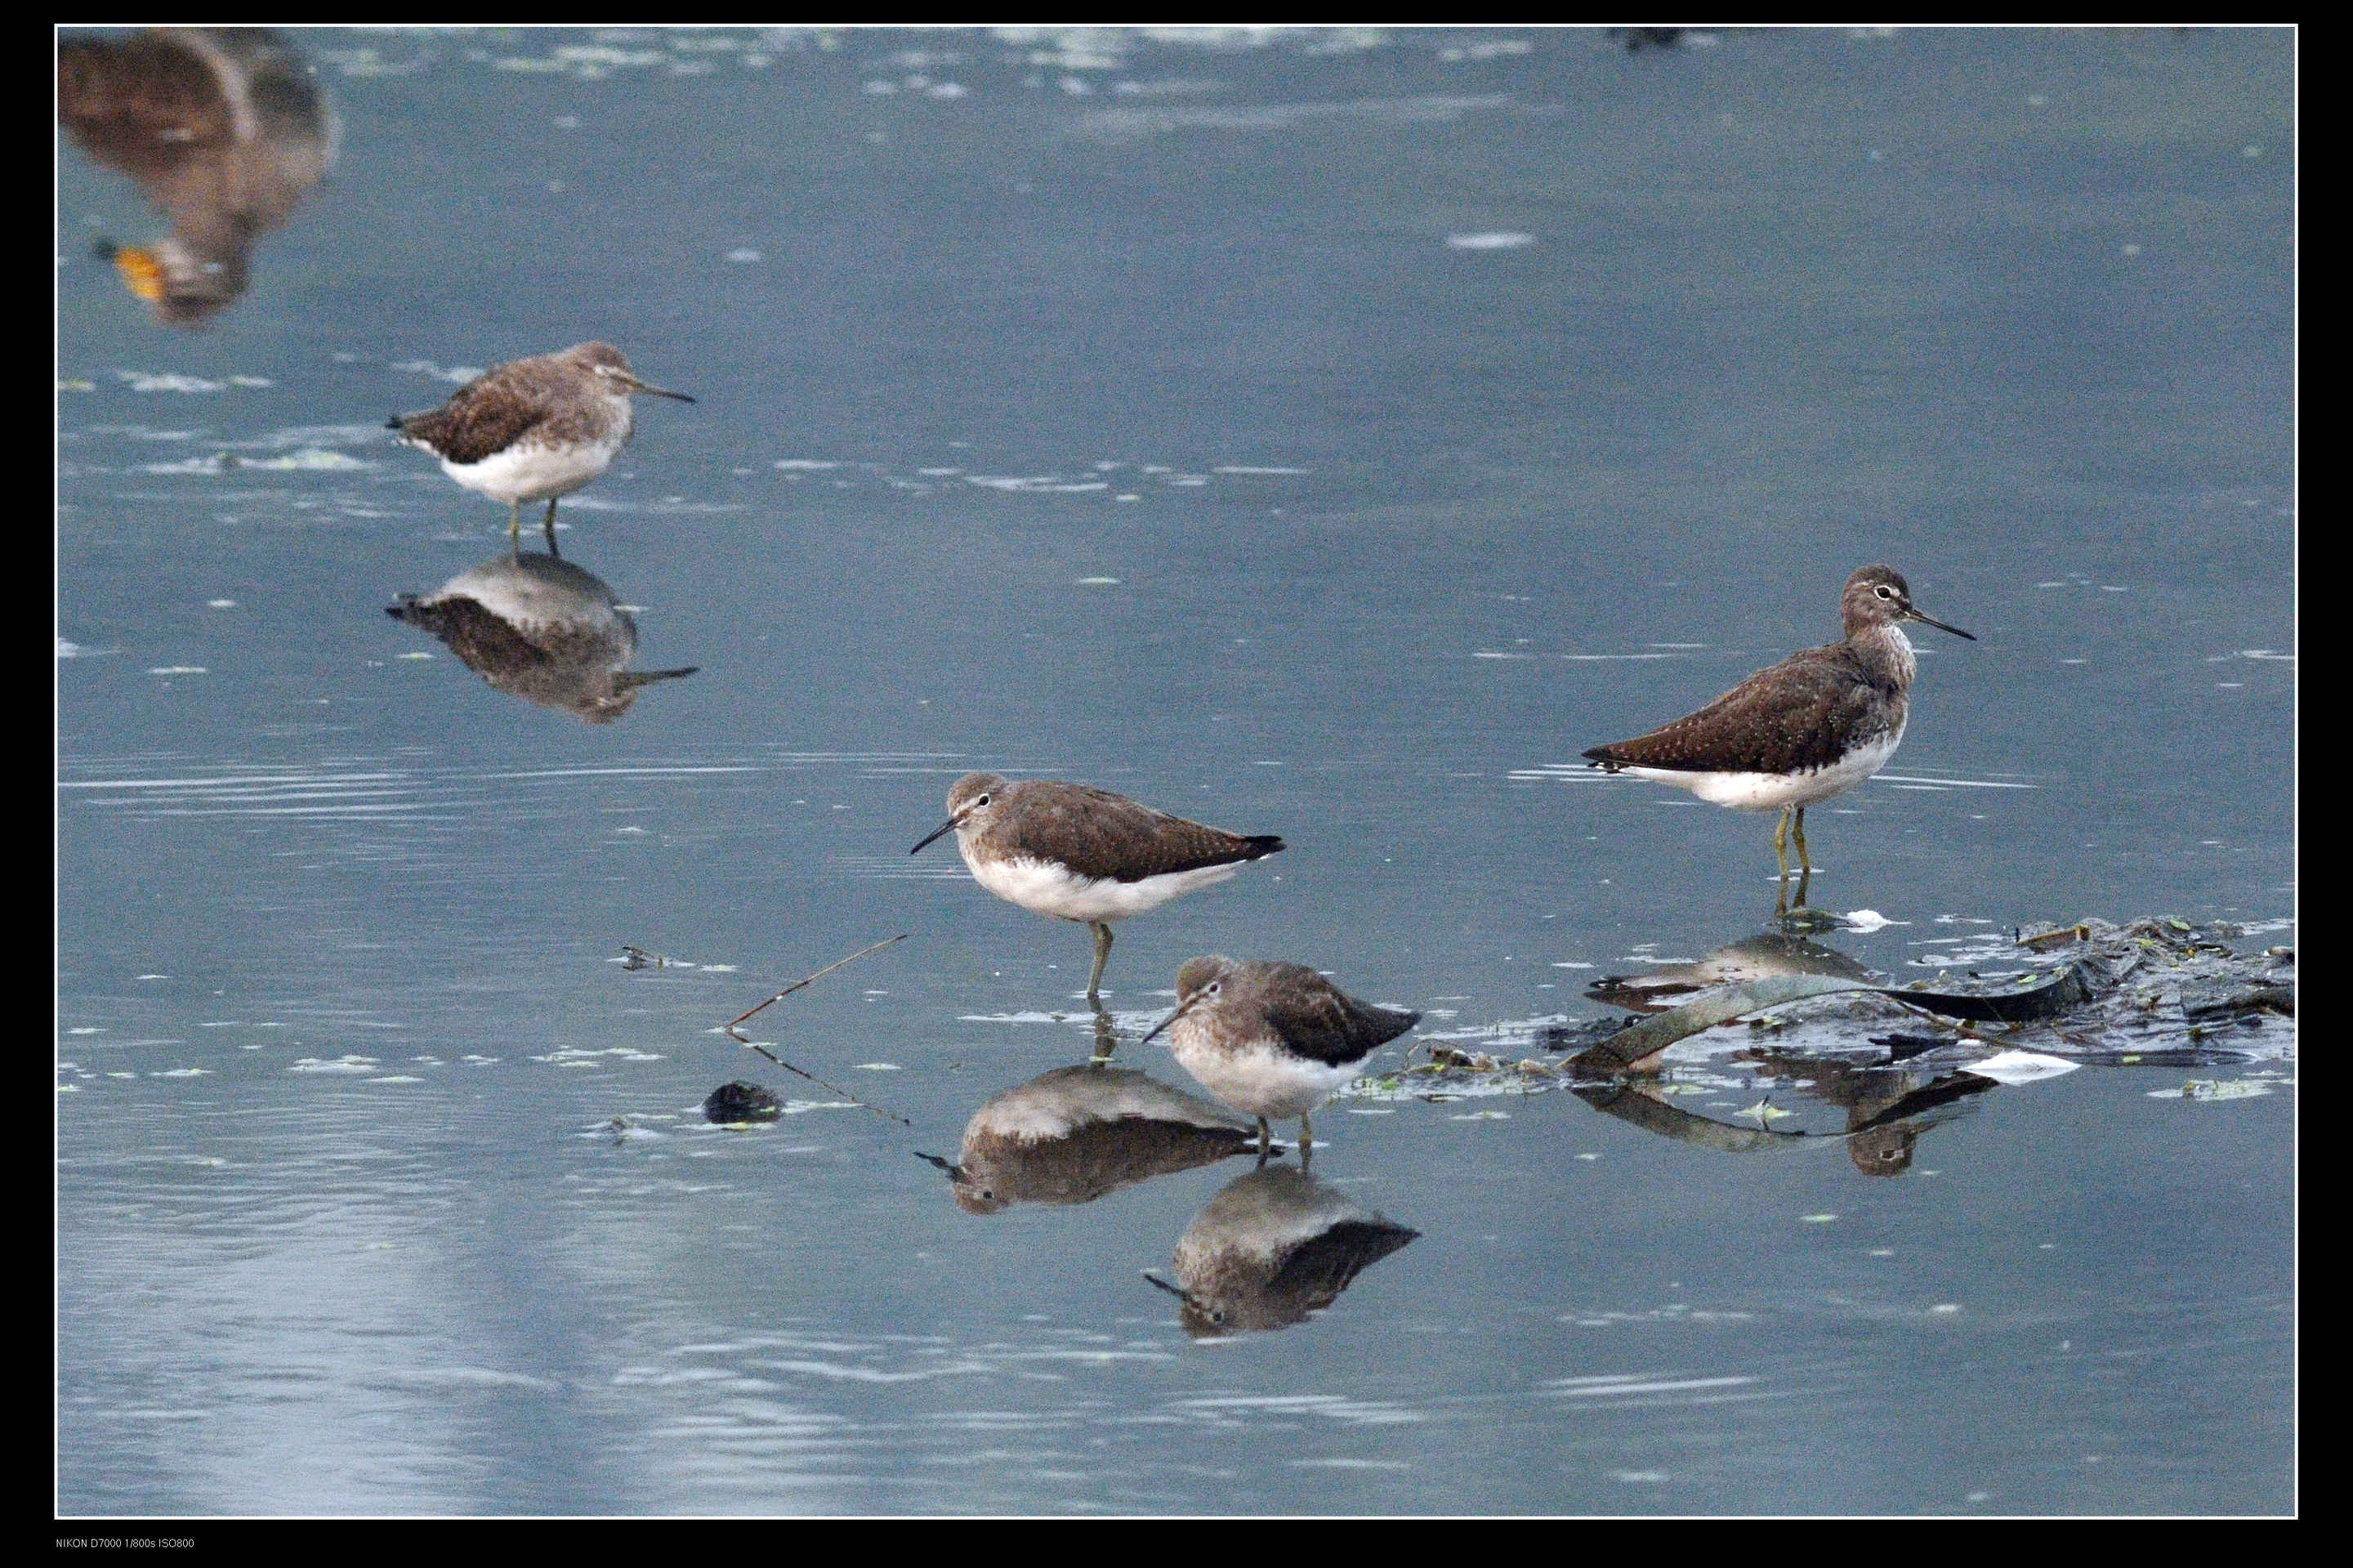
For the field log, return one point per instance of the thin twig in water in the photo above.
(812, 1077)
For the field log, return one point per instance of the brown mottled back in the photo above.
(1097, 834)
(536, 397)
(1802, 714)
(1308, 1013)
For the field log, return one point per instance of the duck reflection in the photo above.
(225, 132)
(1076, 1133)
(1762, 957)
(1273, 1248)
(540, 629)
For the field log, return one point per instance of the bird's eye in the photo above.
(982, 802)
(1883, 592)
(1214, 987)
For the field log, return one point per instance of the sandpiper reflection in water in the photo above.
(540, 629)
(1272, 1248)
(1071, 1135)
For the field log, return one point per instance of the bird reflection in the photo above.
(1751, 959)
(1887, 1104)
(225, 132)
(540, 629)
(1076, 1133)
(1272, 1248)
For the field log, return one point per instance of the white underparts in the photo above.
(1259, 1078)
(1771, 791)
(1045, 888)
(528, 472)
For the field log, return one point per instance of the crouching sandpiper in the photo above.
(1274, 1039)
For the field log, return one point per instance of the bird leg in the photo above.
(514, 527)
(1781, 855)
(1306, 1141)
(1103, 952)
(1804, 859)
(1105, 1041)
(1265, 1142)
(548, 522)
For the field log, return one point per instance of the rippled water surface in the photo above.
(1326, 434)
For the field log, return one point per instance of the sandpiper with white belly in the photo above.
(1080, 853)
(534, 430)
(1274, 1039)
(1814, 725)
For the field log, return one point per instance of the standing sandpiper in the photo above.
(1081, 854)
(534, 430)
(1274, 1039)
(1814, 725)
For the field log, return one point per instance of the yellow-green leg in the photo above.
(1265, 1142)
(1782, 858)
(514, 527)
(1804, 860)
(1103, 952)
(548, 522)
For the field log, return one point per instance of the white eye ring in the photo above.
(1883, 592)
(1214, 987)
(982, 802)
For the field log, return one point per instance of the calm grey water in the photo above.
(1325, 434)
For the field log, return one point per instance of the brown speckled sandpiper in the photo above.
(534, 430)
(1274, 1039)
(1814, 725)
(1081, 854)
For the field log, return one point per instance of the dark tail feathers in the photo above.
(1261, 845)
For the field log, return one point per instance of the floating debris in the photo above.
(740, 1103)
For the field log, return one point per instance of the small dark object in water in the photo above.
(1904, 1047)
(1640, 38)
(742, 1102)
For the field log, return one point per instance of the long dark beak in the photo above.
(1916, 615)
(946, 827)
(1178, 1291)
(657, 391)
(1182, 1009)
(630, 680)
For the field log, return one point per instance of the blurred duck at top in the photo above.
(224, 129)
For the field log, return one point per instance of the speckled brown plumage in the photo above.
(1803, 714)
(1810, 710)
(1095, 833)
(1312, 1017)
(537, 400)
